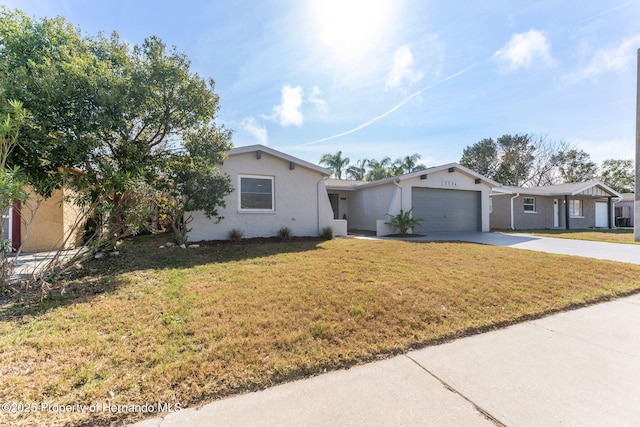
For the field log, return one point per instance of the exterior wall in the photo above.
(54, 220)
(500, 217)
(369, 204)
(73, 221)
(301, 202)
(448, 181)
(47, 229)
(589, 215)
(542, 218)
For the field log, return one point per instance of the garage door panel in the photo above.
(446, 210)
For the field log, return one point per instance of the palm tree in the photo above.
(359, 170)
(335, 162)
(379, 169)
(410, 163)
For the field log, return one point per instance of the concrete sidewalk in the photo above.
(576, 368)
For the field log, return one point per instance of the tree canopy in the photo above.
(528, 160)
(371, 169)
(114, 113)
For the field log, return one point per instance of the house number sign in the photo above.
(448, 183)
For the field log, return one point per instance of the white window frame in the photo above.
(273, 194)
(525, 204)
(572, 213)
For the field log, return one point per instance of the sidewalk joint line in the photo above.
(484, 412)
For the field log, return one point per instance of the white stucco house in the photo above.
(274, 190)
(448, 198)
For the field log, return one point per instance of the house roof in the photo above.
(341, 184)
(263, 148)
(589, 188)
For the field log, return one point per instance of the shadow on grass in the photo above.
(100, 276)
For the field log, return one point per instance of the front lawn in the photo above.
(616, 235)
(186, 326)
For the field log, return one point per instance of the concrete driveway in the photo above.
(579, 368)
(601, 250)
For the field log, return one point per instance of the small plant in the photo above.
(284, 233)
(403, 221)
(327, 233)
(235, 235)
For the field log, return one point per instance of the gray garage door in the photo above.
(446, 210)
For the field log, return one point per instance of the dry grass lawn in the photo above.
(616, 235)
(183, 326)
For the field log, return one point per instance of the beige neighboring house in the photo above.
(53, 223)
(577, 205)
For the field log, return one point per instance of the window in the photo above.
(256, 193)
(529, 204)
(575, 208)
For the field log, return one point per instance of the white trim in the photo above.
(581, 202)
(525, 204)
(273, 194)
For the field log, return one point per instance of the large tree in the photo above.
(192, 182)
(102, 108)
(577, 166)
(519, 160)
(620, 175)
(516, 158)
(482, 157)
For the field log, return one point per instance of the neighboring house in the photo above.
(272, 190)
(275, 190)
(54, 221)
(570, 206)
(624, 210)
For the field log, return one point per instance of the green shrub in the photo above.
(327, 233)
(403, 221)
(235, 234)
(284, 233)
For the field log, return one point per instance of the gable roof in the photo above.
(341, 184)
(589, 188)
(286, 157)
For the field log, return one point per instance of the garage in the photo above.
(446, 210)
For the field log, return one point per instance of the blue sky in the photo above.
(377, 78)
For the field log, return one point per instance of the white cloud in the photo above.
(252, 127)
(525, 50)
(604, 60)
(402, 69)
(315, 99)
(288, 112)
